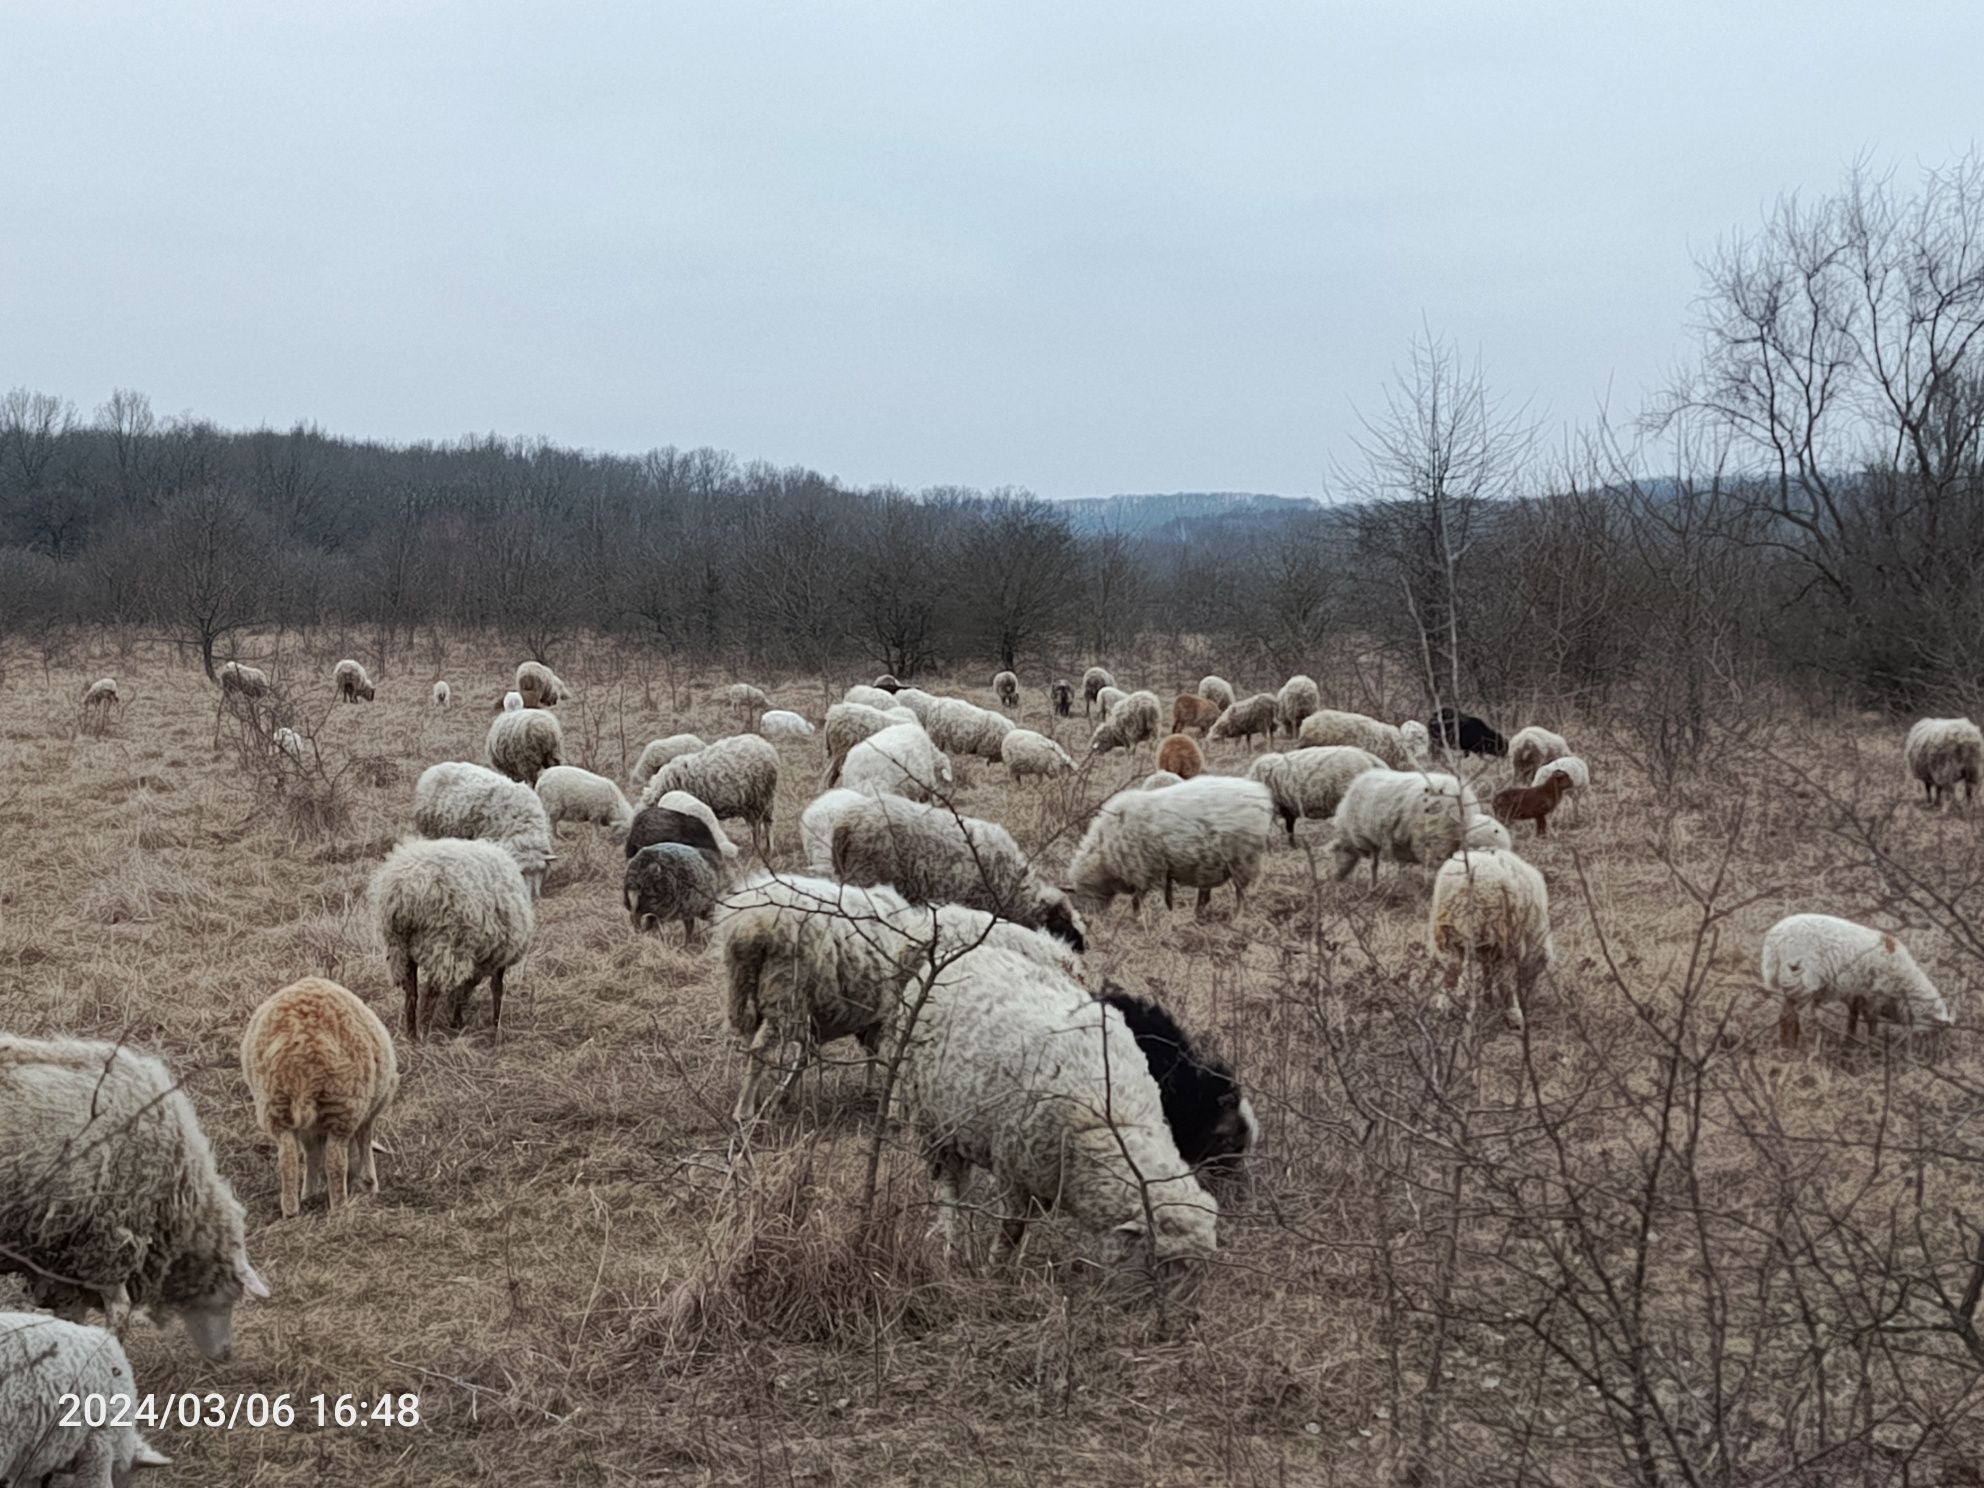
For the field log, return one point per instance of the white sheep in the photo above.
(849, 723)
(513, 702)
(1215, 690)
(816, 826)
(659, 752)
(1298, 698)
(958, 727)
(1107, 698)
(782, 723)
(1136, 719)
(539, 686)
(102, 693)
(670, 881)
(1328, 726)
(1006, 687)
(1407, 816)
(737, 776)
(1942, 753)
(1570, 767)
(1492, 909)
(1532, 748)
(457, 912)
(1246, 718)
(289, 741)
(109, 1195)
(239, 677)
(572, 794)
(900, 761)
(1159, 779)
(352, 682)
(458, 799)
(45, 1438)
(1093, 681)
(1028, 753)
(524, 744)
(1199, 833)
(1310, 782)
(870, 697)
(443, 694)
(1811, 959)
(746, 699)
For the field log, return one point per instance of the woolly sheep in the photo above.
(1406, 816)
(443, 695)
(900, 761)
(1943, 752)
(43, 1360)
(782, 723)
(677, 816)
(887, 683)
(352, 682)
(289, 741)
(958, 727)
(1570, 767)
(1492, 909)
(457, 911)
(1298, 698)
(572, 794)
(1200, 833)
(659, 752)
(457, 799)
(1246, 718)
(109, 1194)
(1327, 726)
(1486, 832)
(670, 881)
(513, 702)
(1159, 779)
(1006, 687)
(1063, 693)
(1028, 753)
(1310, 782)
(915, 699)
(1463, 731)
(238, 677)
(1107, 698)
(1190, 711)
(1532, 748)
(1012, 1067)
(539, 686)
(1418, 743)
(816, 826)
(1811, 959)
(870, 697)
(1210, 1119)
(524, 744)
(849, 723)
(1131, 722)
(102, 693)
(1215, 690)
(737, 776)
(1178, 754)
(746, 698)
(1093, 681)
(322, 1071)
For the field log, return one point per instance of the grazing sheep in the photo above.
(1570, 767)
(737, 776)
(524, 744)
(1520, 803)
(1532, 748)
(1006, 687)
(1250, 716)
(109, 1194)
(1310, 782)
(1210, 1119)
(443, 695)
(1810, 959)
(1492, 908)
(321, 1068)
(1159, 779)
(1326, 727)
(899, 761)
(1199, 833)
(677, 816)
(887, 683)
(1137, 718)
(539, 686)
(871, 697)
(915, 699)
(1093, 681)
(458, 911)
(1406, 816)
(660, 752)
(44, 1363)
(1298, 698)
(1011, 1066)
(572, 794)
(816, 826)
(958, 727)
(249, 682)
(930, 855)
(1485, 832)
(512, 702)
(782, 723)
(457, 799)
(849, 723)
(1027, 753)
(1107, 699)
(745, 698)
(670, 881)
(1181, 756)
(102, 693)
(1215, 690)
(1063, 693)
(289, 741)
(1466, 733)
(352, 682)
(1943, 752)
(1418, 744)
(1190, 711)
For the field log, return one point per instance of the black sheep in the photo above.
(1064, 697)
(1465, 732)
(1209, 1118)
(664, 824)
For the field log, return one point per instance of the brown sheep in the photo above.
(1521, 803)
(1180, 755)
(1192, 711)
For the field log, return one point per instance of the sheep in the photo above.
(900, 761)
(745, 698)
(816, 826)
(1327, 727)
(524, 744)
(1418, 744)
(1188, 711)
(670, 881)
(1486, 832)
(1519, 803)
(572, 794)
(1250, 716)
(1159, 779)
(1809, 959)
(1298, 698)
(877, 698)
(677, 816)
(249, 682)
(1466, 733)
(1129, 724)
(1570, 767)
(1063, 693)
(1199, 833)
(457, 799)
(887, 683)
(782, 723)
(289, 741)
(102, 694)
(1491, 908)
(1028, 753)
(109, 1195)
(352, 682)
(1006, 687)
(1179, 755)
(849, 723)
(915, 699)
(322, 1071)
(1310, 782)
(659, 752)
(930, 855)
(512, 702)
(1532, 748)
(1107, 699)
(46, 1363)
(539, 686)
(1093, 681)
(460, 912)
(958, 727)
(737, 776)
(1210, 1119)
(1941, 752)
(1011, 1066)
(1215, 690)
(1406, 816)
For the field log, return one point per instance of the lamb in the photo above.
(1063, 693)
(670, 881)
(102, 693)
(44, 1360)
(1466, 733)
(1129, 724)
(1210, 1120)
(322, 1071)
(239, 678)
(745, 698)
(677, 816)
(899, 761)
(659, 752)
(1532, 748)
(109, 1194)
(1327, 727)
(1159, 779)
(511, 702)
(1941, 752)
(930, 855)
(443, 695)
(1179, 755)
(524, 744)
(1013, 1067)
(460, 912)
(1189, 711)
(1093, 681)
(1028, 753)
(1215, 690)
(1493, 909)
(539, 686)
(737, 776)
(1251, 716)
(1521, 803)
(1811, 959)
(1408, 817)
(1200, 833)
(352, 682)
(457, 799)
(1107, 698)
(1298, 698)
(877, 698)
(572, 794)
(1310, 782)
(958, 727)
(782, 723)
(289, 741)
(1006, 687)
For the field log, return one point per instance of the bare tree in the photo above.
(206, 570)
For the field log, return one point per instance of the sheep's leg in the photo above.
(368, 1160)
(1542, 826)
(313, 1160)
(335, 1158)
(1012, 1231)
(948, 1169)
(1787, 1025)
(495, 1002)
(412, 985)
(288, 1157)
(1239, 898)
(1203, 903)
(1167, 894)
(1856, 1008)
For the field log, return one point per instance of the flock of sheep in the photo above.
(926, 935)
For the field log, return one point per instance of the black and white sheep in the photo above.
(737, 777)
(677, 816)
(1211, 1119)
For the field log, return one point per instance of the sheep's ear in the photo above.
(253, 1283)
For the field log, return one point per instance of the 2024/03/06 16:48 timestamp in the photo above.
(219, 1412)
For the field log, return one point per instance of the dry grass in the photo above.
(582, 1288)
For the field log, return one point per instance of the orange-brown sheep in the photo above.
(1180, 755)
(1532, 802)
(1191, 711)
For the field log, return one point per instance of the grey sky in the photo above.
(1081, 248)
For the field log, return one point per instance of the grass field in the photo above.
(1633, 1243)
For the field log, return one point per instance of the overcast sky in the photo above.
(1082, 248)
